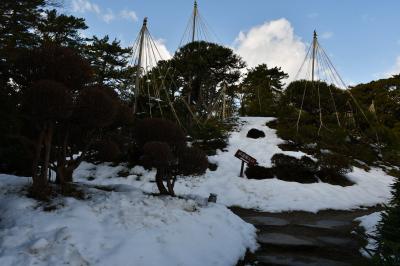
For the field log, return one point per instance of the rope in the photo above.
(319, 96)
(324, 64)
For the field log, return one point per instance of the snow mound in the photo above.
(118, 228)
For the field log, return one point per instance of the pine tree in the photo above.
(261, 89)
(61, 29)
(388, 247)
(109, 61)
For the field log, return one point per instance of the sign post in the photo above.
(245, 158)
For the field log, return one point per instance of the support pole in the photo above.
(313, 55)
(139, 65)
(241, 169)
(194, 21)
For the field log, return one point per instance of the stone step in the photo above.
(290, 240)
(280, 239)
(315, 223)
(297, 260)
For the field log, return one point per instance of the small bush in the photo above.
(259, 172)
(96, 107)
(210, 136)
(192, 161)
(255, 134)
(289, 168)
(333, 168)
(108, 151)
(159, 130)
(157, 154)
(16, 155)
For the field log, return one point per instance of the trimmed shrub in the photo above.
(210, 136)
(96, 107)
(159, 130)
(48, 100)
(157, 154)
(255, 134)
(108, 151)
(289, 168)
(333, 168)
(259, 172)
(16, 155)
(192, 161)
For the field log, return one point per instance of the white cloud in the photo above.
(109, 16)
(326, 35)
(162, 49)
(129, 15)
(273, 43)
(83, 6)
(394, 70)
(86, 6)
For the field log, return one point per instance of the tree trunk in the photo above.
(170, 185)
(159, 181)
(36, 159)
(47, 149)
(40, 187)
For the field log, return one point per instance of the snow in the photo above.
(122, 227)
(273, 195)
(369, 223)
(126, 225)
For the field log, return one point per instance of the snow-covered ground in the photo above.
(369, 223)
(272, 195)
(123, 227)
(128, 227)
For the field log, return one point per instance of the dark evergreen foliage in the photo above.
(192, 161)
(329, 169)
(289, 168)
(387, 252)
(157, 129)
(107, 151)
(261, 90)
(259, 172)
(109, 62)
(61, 29)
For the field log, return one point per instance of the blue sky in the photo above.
(361, 36)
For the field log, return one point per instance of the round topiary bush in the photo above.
(289, 168)
(108, 151)
(333, 169)
(192, 161)
(259, 172)
(157, 129)
(255, 134)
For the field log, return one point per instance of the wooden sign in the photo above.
(245, 158)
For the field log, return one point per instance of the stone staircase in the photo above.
(327, 238)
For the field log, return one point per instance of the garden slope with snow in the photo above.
(120, 227)
(273, 195)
